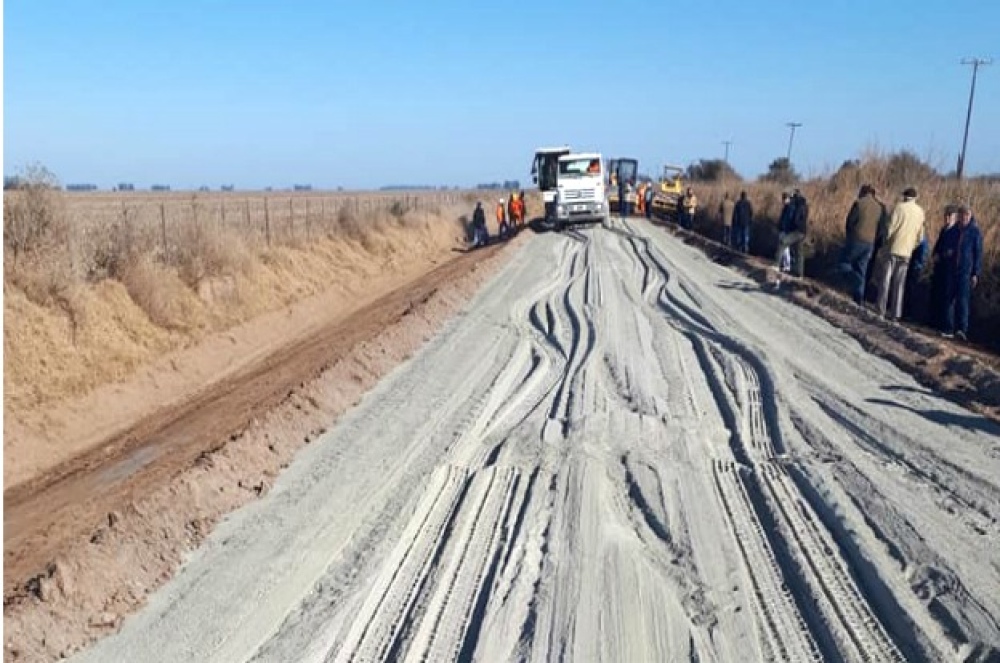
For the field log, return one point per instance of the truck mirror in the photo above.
(534, 179)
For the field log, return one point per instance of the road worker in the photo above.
(480, 235)
(501, 219)
(519, 210)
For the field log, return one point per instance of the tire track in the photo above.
(920, 465)
(851, 629)
(858, 631)
(422, 606)
(443, 630)
(386, 612)
(785, 635)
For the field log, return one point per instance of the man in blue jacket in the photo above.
(967, 267)
(943, 256)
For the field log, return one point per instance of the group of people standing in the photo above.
(509, 216)
(889, 250)
(894, 249)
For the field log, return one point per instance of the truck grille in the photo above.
(585, 194)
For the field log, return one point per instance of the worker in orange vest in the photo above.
(502, 219)
(519, 209)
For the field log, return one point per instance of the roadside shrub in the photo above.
(33, 216)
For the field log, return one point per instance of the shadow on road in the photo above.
(971, 422)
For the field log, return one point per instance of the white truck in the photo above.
(571, 184)
(580, 193)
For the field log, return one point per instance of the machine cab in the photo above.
(625, 169)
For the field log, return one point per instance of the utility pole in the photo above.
(976, 64)
(793, 126)
(725, 167)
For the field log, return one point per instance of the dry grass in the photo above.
(96, 285)
(830, 199)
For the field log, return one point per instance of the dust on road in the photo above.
(619, 451)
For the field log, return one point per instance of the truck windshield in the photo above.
(579, 167)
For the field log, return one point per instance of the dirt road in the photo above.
(620, 451)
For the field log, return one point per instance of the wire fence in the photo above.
(257, 218)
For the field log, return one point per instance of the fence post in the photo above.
(267, 222)
(163, 232)
(222, 213)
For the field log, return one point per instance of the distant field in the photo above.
(257, 216)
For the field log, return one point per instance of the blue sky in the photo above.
(361, 94)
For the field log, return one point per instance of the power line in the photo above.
(793, 126)
(976, 63)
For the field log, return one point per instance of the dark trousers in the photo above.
(649, 208)
(727, 235)
(854, 259)
(939, 294)
(958, 295)
(741, 237)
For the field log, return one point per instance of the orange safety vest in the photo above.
(500, 213)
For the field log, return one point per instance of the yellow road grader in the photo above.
(667, 192)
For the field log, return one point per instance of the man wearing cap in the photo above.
(968, 265)
(906, 230)
(866, 221)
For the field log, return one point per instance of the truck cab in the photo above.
(580, 189)
(545, 173)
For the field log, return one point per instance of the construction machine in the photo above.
(617, 170)
(667, 192)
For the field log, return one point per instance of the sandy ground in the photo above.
(619, 451)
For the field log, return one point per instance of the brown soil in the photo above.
(87, 540)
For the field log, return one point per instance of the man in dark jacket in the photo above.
(866, 222)
(943, 257)
(968, 265)
(793, 232)
(480, 236)
(742, 220)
